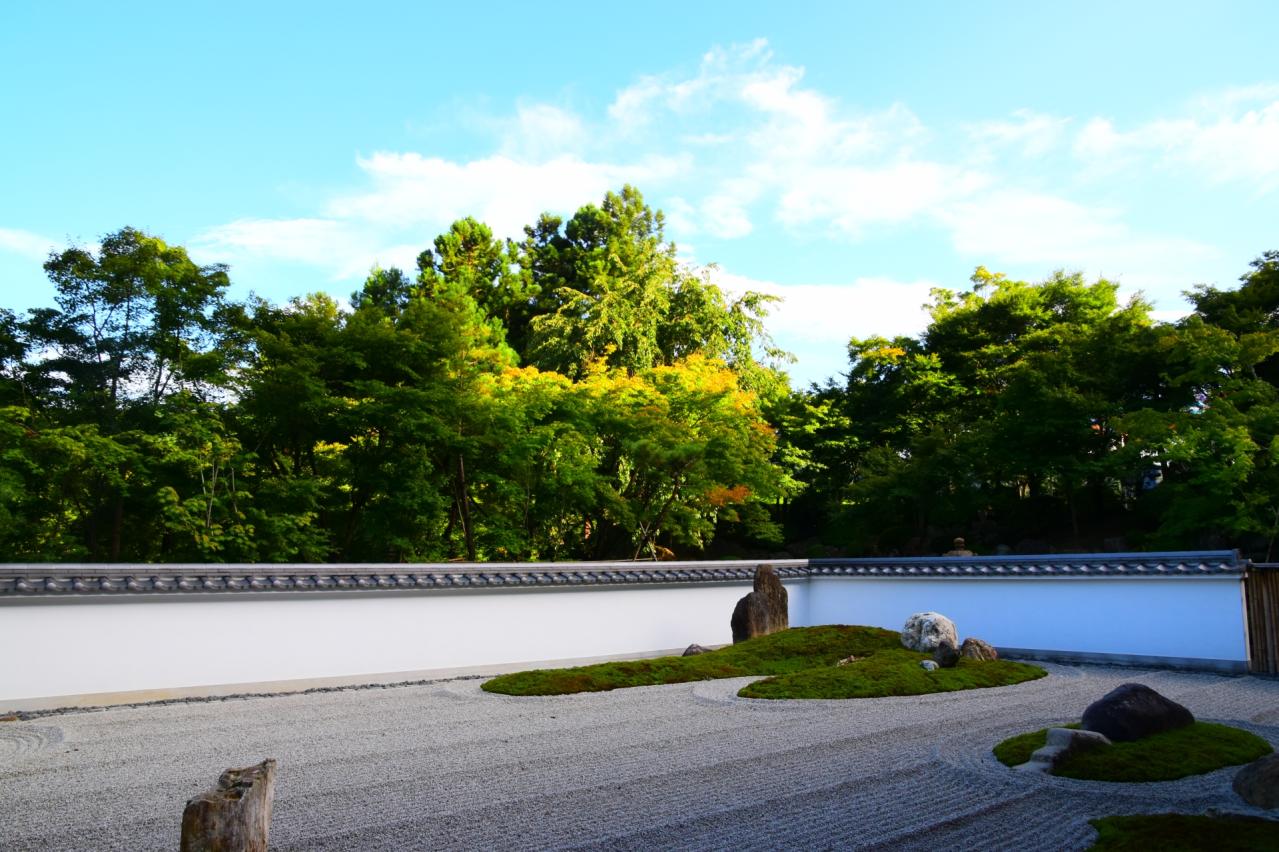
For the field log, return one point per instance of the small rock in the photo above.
(1132, 711)
(946, 654)
(924, 630)
(975, 649)
(847, 660)
(928, 665)
(763, 611)
(1258, 782)
(695, 649)
(1061, 743)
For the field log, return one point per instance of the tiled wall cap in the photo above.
(56, 579)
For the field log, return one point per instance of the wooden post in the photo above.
(235, 816)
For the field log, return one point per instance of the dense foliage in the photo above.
(576, 395)
(1050, 416)
(580, 393)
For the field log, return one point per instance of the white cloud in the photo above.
(1018, 227)
(1231, 137)
(27, 244)
(742, 141)
(412, 198)
(849, 198)
(346, 251)
(815, 321)
(1028, 133)
(412, 190)
(543, 130)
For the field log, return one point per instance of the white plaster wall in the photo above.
(82, 646)
(1191, 618)
(96, 645)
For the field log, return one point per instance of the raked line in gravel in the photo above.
(445, 765)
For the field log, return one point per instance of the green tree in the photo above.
(135, 322)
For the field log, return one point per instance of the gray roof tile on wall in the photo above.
(49, 579)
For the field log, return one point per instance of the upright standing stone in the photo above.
(235, 816)
(763, 611)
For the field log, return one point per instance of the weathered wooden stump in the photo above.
(235, 816)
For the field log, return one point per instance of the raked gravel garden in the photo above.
(686, 764)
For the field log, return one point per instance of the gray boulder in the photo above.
(695, 649)
(929, 665)
(975, 649)
(925, 630)
(1061, 744)
(763, 611)
(946, 654)
(1258, 782)
(1132, 711)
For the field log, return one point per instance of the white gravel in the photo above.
(445, 765)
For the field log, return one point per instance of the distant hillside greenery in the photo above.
(580, 394)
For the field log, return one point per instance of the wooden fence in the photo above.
(1261, 598)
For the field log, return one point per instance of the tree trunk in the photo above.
(235, 816)
(117, 527)
(464, 506)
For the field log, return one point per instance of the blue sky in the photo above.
(846, 156)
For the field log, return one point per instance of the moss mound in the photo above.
(801, 661)
(1193, 750)
(1182, 833)
(890, 672)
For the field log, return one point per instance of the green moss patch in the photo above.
(1182, 833)
(890, 672)
(801, 660)
(1193, 750)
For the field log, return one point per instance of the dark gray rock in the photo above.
(975, 649)
(1258, 782)
(695, 649)
(946, 654)
(1134, 710)
(763, 611)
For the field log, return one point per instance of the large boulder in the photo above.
(1258, 782)
(1132, 711)
(946, 654)
(763, 611)
(975, 649)
(924, 631)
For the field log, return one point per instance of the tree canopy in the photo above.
(580, 393)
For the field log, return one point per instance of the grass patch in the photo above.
(1015, 751)
(802, 659)
(890, 672)
(1192, 750)
(1182, 833)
